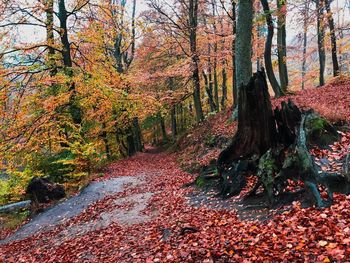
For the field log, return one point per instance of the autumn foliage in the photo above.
(93, 90)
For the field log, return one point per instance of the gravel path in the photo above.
(74, 206)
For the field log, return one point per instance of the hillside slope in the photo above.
(204, 143)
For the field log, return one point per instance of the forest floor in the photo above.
(141, 211)
(149, 217)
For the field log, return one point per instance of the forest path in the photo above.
(120, 202)
(76, 205)
(81, 206)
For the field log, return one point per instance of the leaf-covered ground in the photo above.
(178, 232)
(170, 229)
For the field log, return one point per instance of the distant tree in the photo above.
(268, 53)
(282, 43)
(124, 54)
(192, 25)
(306, 17)
(182, 20)
(336, 70)
(233, 47)
(231, 14)
(320, 5)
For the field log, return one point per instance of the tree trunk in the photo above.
(282, 44)
(137, 134)
(74, 108)
(193, 22)
(173, 114)
(215, 64)
(268, 54)
(105, 141)
(119, 137)
(173, 123)
(133, 35)
(259, 63)
(223, 70)
(118, 53)
(183, 112)
(320, 40)
(243, 46)
(208, 78)
(224, 86)
(209, 90)
(305, 28)
(50, 38)
(130, 140)
(336, 70)
(234, 86)
(163, 129)
(66, 50)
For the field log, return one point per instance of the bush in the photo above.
(13, 188)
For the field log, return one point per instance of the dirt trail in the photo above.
(94, 192)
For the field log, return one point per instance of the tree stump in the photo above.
(273, 145)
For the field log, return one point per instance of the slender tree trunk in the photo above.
(105, 141)
(137, 134)
(50, 38)
(173, 123)
(305, 28)
(208, 78)
(193, 22)
(74, 108)
(234, 86)
(183, 112)
(119, 137)
(331, 25)
(180, 118)
(258, 59)
(268, 54)
(130, 141)
(320, 40)
(66, 50)
(215, 64)
(162, 127)
(118, 53)
(209, 91)
(223, 71)
(282, 44)
(173, 113)
(133, 34)
(224, 87)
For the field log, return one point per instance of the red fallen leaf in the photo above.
(336, 253)
(346, 241)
